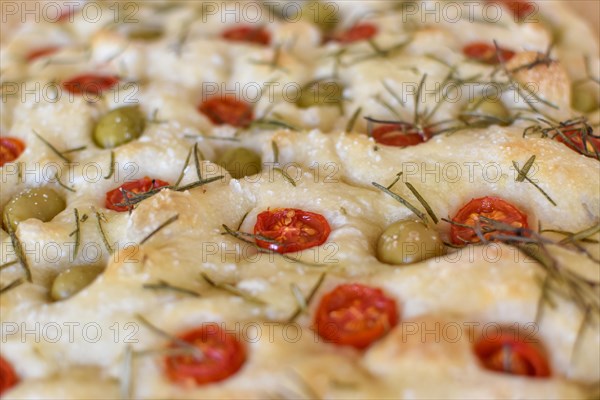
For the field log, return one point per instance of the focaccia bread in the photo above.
(341, 199)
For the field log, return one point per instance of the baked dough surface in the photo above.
(467, 290)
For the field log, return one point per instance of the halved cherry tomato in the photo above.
(510, 354)
(575, 141)
(355, 315)
(41, 52)
(222, 356)
(493, 208)
(10, 149)
(357, 33)
(66, 15)
(291, 229)
(90, 84)
(117, 196)
(248, 34)
(401, 135)
(519, 8)
(8, 377)
(227, 110)
(486, 53)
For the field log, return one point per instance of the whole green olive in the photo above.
(73, 280)
(584, 100)
(407, 242)
(40, 203)
(240, 162)
(321, 93)
(485, 111)
(147, 33)
(119, 126)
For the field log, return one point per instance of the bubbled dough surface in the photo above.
(432, 291)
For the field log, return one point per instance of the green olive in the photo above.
(240, 162)
(72, 280)
(407, 242)
(147, 33)
(119, 126)
(321, 93)
(584, 100)
(322, 13)
(40, 203)
(485, 111)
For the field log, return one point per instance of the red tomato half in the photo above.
(8, 377)
(223, 356)
(511, 355)
(575, 137)
(519, 8)
(116, 196)
(10, 149)
(401, 135)
(41, 52)
(357, 33)
(493, 208)
(486, 53)
(227, 110)
(291, 229)
(90, 84)
(248, 34)
(355, 315)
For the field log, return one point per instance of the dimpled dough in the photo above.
(333, 172)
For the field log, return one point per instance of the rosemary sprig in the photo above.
(392, 93)
(160, 227)
(286, 176)
(62, 184)
(401, 200)
(581, 235)
(131, 199)
(16, 243)
(377, 52)
(417, 100)
(231, 289)
(185, 165)
(523, 177)
(398, 176)
(585, 320)
(197, 156)
(353, 118)
(196, 351)
(17, 282)
(304, 302)
(111, 170)
(77, 233)
(423, 202)
(8, 264)
(154, 119)
(76, 149)
(51, 147)
(99, 218)
(523, 173)
(566, 233)
(164, 285)
(272, 124)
